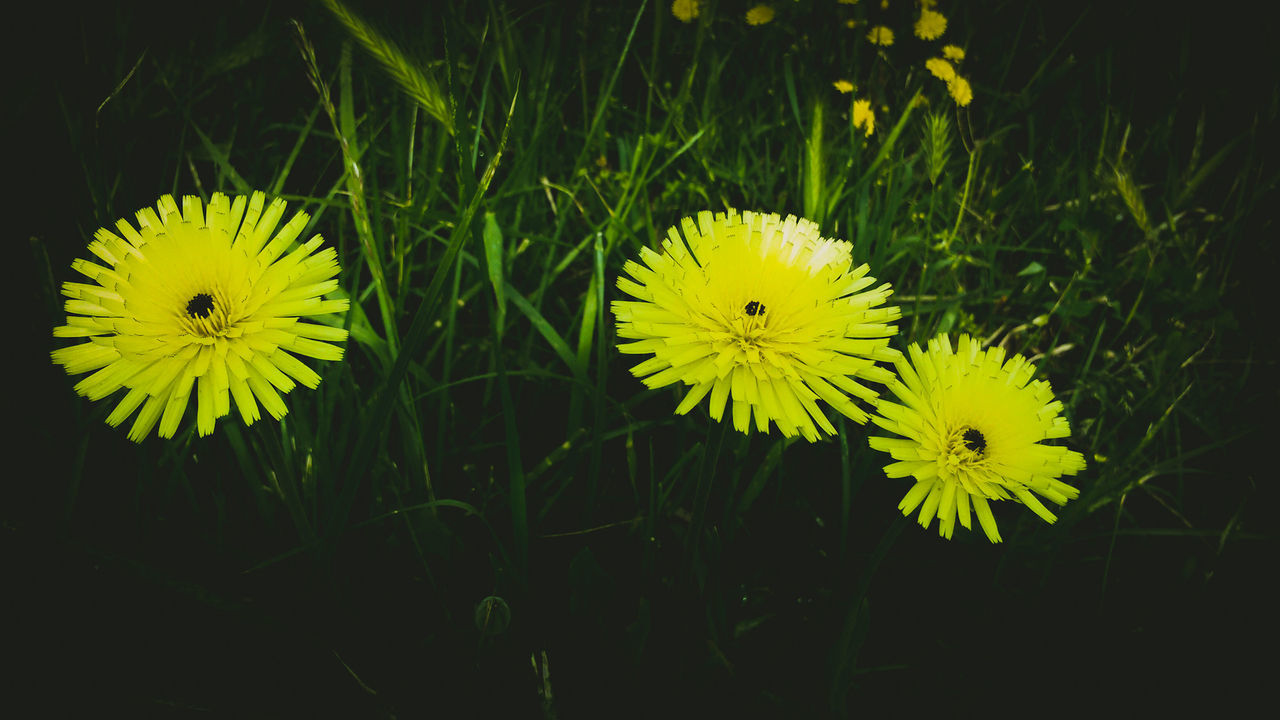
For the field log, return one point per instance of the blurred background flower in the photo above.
(760, 14)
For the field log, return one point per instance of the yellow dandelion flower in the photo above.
(940, 68)
(201, 301)
(843, 85)
(851, 24)
(848, 2)
(686, 10)
(881, 35)
(759, 15)
(863, 116)
(960, 90)
(931, 25)
(760, 310)
(953, 52)
(971, 423)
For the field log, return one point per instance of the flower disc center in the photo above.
(207, 314)
(966, 447)
(975, 441)
(200, 306)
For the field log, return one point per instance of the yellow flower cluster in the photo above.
(931, 26)
(959, 88)
(687, 11)
(767, 319)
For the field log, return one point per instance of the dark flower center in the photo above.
(975, 441)
(754, 308)
(201, 306)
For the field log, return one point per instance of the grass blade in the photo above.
(548, 333)
(491, 236)
(412, 80)
(372, 428)
(222, 161)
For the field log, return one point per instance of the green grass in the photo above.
(484, 171)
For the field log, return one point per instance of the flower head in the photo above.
(931, 25)
(201, 301)
(881, 35)
(686, 10)
(844, 86)
(759, 15)
(953, 52)
(960, 90)
(863, 116)
(760, 310)
(940, 68)
(971, 424)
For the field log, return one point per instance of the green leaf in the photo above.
(376, 420)
(222, 161)
(493, 256)
(1032, 268)
(548, 333)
